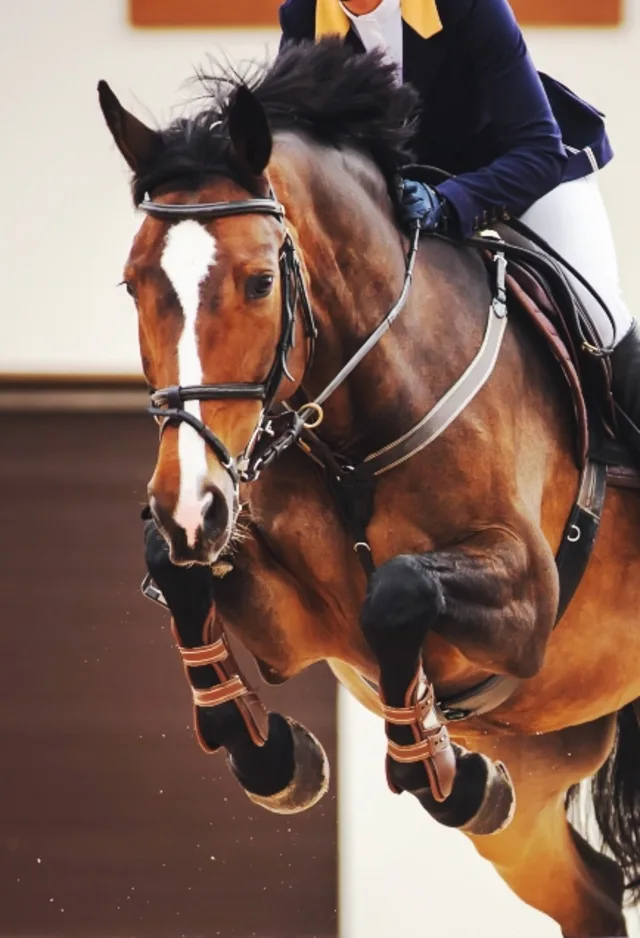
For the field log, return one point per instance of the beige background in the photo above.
(66, 222)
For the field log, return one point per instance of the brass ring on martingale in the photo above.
(592, 349)
(314, 408)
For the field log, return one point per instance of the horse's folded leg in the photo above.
(453, 593)
(306, 776)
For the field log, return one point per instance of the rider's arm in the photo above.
(518, 110)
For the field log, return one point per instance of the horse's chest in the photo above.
(318, 555)
(308, 550)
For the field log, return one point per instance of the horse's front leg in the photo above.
(494, 597)
(278, 762)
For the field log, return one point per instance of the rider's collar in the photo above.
(421, 15)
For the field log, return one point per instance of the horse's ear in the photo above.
(249, 130)
(137, 142)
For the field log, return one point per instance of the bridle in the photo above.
(266, 442)
(167, 404)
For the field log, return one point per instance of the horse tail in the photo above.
(615, 792)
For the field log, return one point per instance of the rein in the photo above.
(287, 427)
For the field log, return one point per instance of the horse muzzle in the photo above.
(198, 537)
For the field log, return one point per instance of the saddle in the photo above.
(538, 286)
(539, 289)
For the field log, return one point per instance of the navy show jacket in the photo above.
(508, 133)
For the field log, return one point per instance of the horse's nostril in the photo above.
(160, 514)
(216, 515)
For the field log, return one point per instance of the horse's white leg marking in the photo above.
(188, 254)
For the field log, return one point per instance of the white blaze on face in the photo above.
(188, 254)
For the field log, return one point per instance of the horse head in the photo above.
(210, 273)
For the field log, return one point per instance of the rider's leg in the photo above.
(573, 219)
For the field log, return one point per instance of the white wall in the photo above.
(394, 858)
(66, 223)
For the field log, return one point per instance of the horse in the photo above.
(264, 273)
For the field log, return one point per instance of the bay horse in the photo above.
(270, 247)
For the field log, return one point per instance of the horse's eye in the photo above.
(129, 288)
(258, 286)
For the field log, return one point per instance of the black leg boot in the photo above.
(625, 365)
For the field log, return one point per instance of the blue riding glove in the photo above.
(420, 203)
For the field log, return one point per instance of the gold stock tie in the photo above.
(421, 15)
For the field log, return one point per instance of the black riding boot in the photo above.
(625, 365)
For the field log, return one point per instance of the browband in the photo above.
(213, 209)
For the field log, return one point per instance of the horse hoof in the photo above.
(498, 804)
(310, 776)
(482, 800)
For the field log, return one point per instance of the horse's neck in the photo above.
(355, 257)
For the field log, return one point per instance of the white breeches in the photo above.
(573, 220)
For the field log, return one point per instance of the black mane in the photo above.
(321, 89)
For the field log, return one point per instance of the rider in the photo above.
(518, 142)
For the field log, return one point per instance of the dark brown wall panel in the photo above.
(112, 821)
(207, 13)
